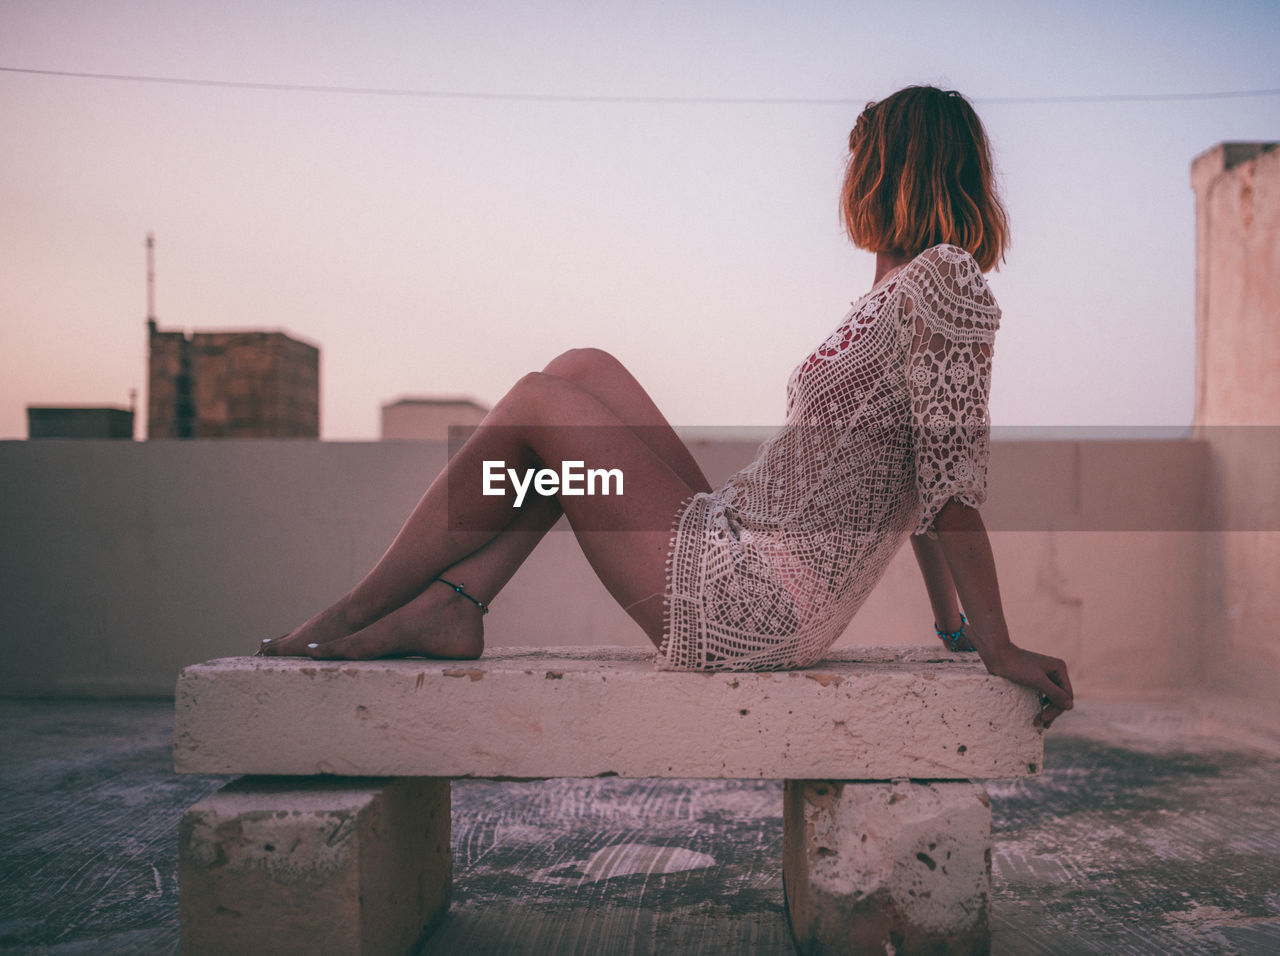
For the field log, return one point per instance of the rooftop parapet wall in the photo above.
(121, 563)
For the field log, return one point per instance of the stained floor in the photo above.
(1152, 830)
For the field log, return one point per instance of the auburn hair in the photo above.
(919, 174)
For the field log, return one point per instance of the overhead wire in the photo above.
(511, 96)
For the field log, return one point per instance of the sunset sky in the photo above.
(654, 178)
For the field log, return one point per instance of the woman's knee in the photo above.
(529, 386)
(582, 365)
(533, 394)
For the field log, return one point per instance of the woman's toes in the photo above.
(286, 645)
(357, 647)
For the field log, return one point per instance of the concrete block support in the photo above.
(887, 867)
(314, 865)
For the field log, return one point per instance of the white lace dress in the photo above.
(886, 421)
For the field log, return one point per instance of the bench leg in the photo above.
(311, 864)
(896, 867)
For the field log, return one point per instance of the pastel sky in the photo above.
(446, 245)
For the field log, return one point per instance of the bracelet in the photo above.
(953, 639)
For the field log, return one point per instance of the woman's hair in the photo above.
(919, 174)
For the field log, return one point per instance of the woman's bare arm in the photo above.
(966, 549)
(938, 582)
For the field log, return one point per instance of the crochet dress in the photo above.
(886, 421)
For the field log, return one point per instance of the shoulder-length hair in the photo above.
(919, 174)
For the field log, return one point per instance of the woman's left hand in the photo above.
(1042, 673)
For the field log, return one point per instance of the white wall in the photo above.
(1238, 404)
(121, 562)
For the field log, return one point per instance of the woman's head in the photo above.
(920, 173)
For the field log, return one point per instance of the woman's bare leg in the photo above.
(484, 572)
(439, 622)
(434, 619)
(608, 380)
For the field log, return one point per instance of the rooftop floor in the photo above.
(1154, 828)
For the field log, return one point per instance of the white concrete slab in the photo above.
(874, 714)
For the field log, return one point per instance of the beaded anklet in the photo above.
(484, 608)
(953, 639)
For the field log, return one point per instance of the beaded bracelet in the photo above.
(953, 639)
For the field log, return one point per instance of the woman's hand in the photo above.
(1041, 673)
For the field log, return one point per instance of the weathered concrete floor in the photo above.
(1150, 831)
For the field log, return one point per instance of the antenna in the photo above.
(151, 280)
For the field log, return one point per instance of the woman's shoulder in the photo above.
(950, 270)
(949, 262)
(948, 277)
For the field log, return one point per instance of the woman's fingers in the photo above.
(1055, 684)
(1055, 692)
(1043, 674)
(1056, 695)
(1047, 716)
(1059, 677)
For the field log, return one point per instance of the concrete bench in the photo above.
(886, 838)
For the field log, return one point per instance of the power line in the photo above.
(590, 98)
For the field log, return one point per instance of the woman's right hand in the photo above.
(1042, 673)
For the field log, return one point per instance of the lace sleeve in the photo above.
(951, 318)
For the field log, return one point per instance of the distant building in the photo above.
(247, 384)
(69, 421)
(428, 419)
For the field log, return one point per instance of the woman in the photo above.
(885, 438)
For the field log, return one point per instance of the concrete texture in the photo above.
(126, 561)
(1152, 830)
(897, 867)
(870, 714)
(315, 865)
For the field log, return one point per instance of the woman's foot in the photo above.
(437, 623)
(264, 647)
(329, 625)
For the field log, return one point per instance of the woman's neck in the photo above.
(886, 262)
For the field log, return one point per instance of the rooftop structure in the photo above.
(428, 419)
(246, 384)
(74, 421)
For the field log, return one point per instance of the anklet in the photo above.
(484, 608)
